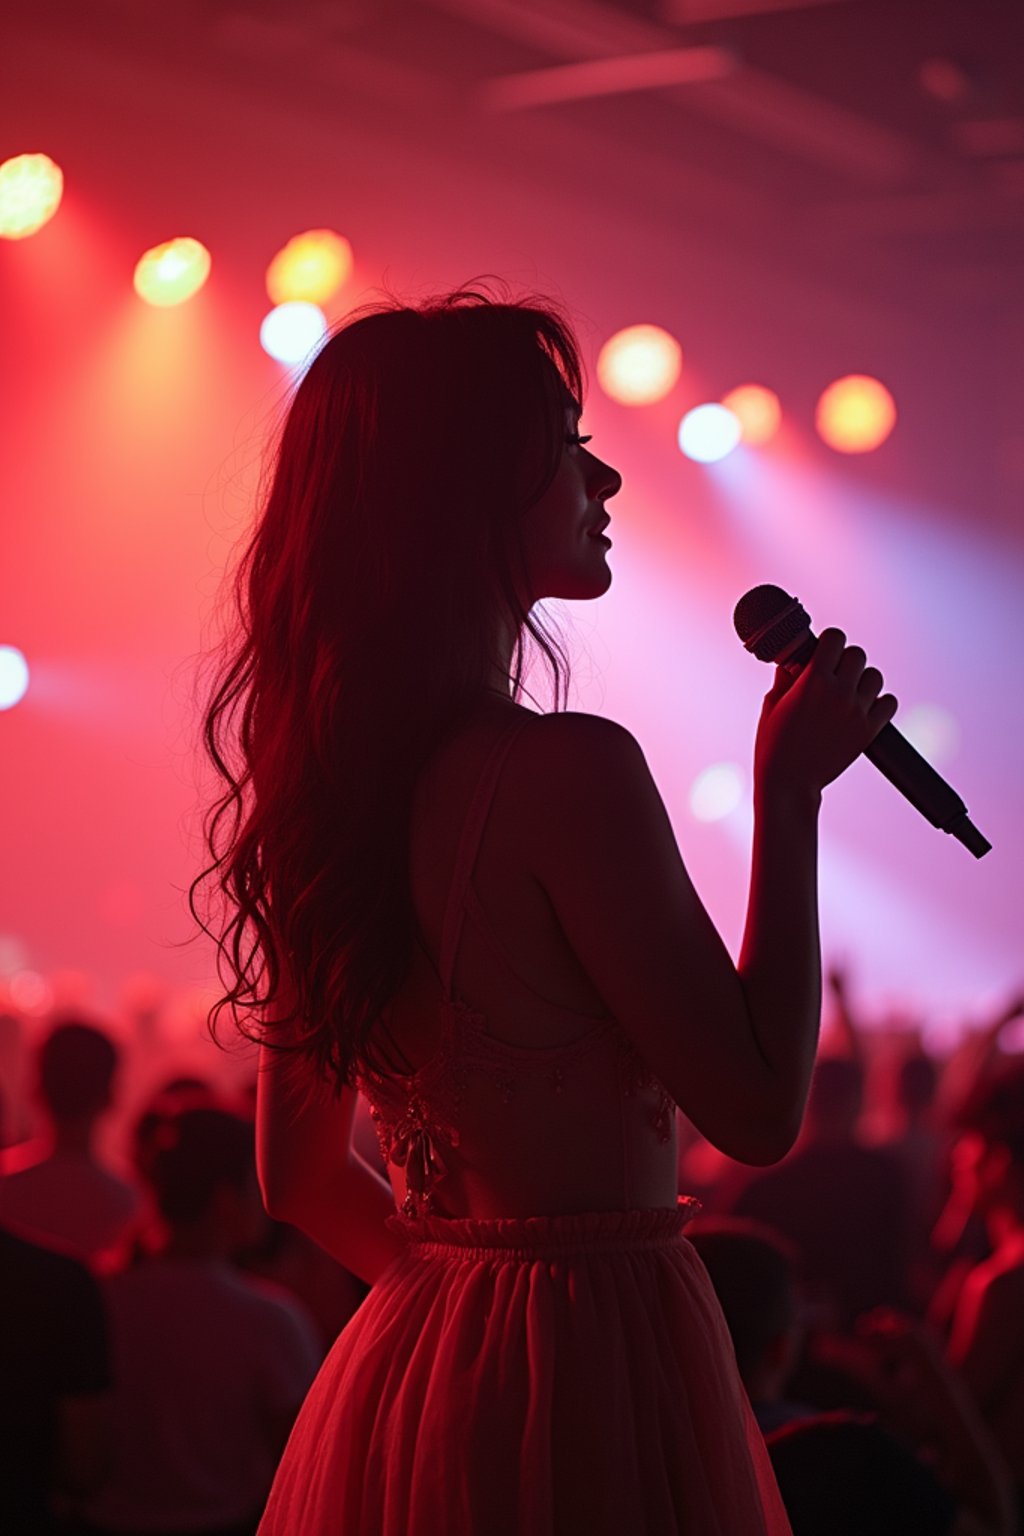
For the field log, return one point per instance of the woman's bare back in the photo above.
(541, 968)
(523, 1096)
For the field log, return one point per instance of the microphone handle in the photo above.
(906, 769)
(914, 777)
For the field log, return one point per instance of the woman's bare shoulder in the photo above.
(571, 750)
(578, 720)
(575, 729)
(566, 755)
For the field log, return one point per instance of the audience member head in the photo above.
(835, 1101)
(176, 1093)
(988, 1158)
(76, 1067)
(840, 1474)
(753, 1271)
(199, 1163)
(917, 1079)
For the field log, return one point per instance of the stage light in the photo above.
(312, 266)
(171, 273)
(708, 433)
(932, 730)
(31, 187)
(639, 365)
(13, 676)
(716, 792)
(291, 331)
(30, 992)
(757, 410)
(855, 414)
(13, 954)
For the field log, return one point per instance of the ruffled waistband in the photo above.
(535, 1236)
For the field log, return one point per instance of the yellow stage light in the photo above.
(639, 365)
(757, 410)
(311, 267)
(171, 273)
(31, 187)
(855, 414)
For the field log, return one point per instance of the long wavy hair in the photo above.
(365, 617)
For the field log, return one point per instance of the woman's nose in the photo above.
(604, 480)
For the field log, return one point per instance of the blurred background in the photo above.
(793, 194)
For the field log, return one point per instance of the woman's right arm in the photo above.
(733, 1043)
(309, 1173)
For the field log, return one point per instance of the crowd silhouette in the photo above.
(159, 1330)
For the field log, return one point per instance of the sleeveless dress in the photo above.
(542, 1367)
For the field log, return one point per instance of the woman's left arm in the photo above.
(309, 1173)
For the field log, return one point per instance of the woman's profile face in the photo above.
(564, 532)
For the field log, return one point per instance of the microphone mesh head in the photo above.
(767, 619)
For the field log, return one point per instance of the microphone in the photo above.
(777, 628)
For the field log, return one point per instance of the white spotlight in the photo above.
(716, 792)
(291, 331)
(13, 676)
(932, 730)
(708, 433)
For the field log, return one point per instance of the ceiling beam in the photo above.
(748, 100)
(606, 77)
(692, 12)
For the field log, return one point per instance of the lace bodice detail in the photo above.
(513, 1118)
(417, 1116)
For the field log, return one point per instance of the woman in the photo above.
(476, 916)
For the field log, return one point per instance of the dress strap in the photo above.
(469, 846)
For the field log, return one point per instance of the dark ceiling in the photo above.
(883, 138)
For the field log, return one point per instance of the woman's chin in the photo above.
(577, 584)
(584, 590)
(597, 582)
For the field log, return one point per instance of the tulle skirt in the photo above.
(544, 1376)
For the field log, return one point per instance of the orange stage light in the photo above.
(757, 410)
(639, 365)
(171, 273)
(311, 267)
(31, 187)
(855, 414)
